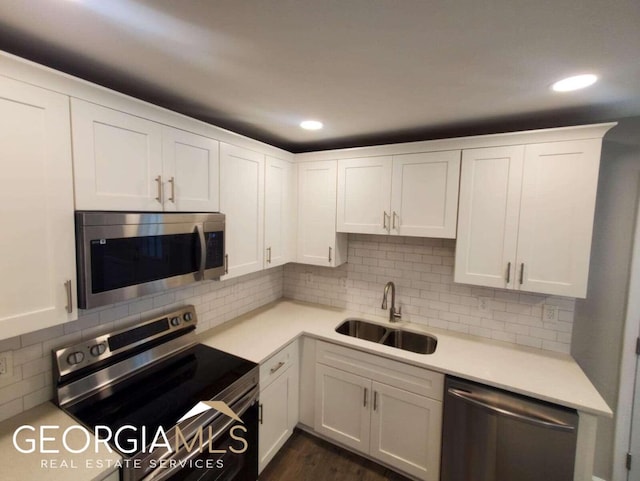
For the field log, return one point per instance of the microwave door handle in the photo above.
(203, 250)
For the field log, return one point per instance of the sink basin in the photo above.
(400, 339)
(411, 341)
(362, 329)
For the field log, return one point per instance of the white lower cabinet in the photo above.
(398, 421)
(278, 414)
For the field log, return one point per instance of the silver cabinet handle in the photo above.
(375, 400)
(260, 413)
(226, 263)
(384, 220)
(329, 254)
(268, 255)
(69, 306)
(473, 399)
(508, 272)
(366, 395)
(276, 367)
(522, 273)
(159, 181)
(393, 219)
(172, 181)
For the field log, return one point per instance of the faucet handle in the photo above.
(397, 313)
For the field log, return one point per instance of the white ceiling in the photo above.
(372, 70)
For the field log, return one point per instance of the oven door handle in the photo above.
(203, 251)
(239, 408)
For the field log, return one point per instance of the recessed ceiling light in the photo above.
(311, 125)
(574, 83)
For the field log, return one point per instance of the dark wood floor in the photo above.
(307, 458)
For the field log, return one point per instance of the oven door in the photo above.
(132, 255)
(224, 457)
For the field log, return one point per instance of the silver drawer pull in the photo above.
(159, 181)
(69, 306)
(277, 366)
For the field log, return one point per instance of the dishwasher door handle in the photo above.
(468, 397)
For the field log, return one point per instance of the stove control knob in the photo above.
(175, 321)
(187, 316)
(97, 349)
(75, 358)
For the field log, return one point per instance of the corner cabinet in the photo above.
(38, 246)
(411, 194)
(278, 410)
(386, 409)
(526, 216)
(124, 162)
(318, 242)
(242, 202)
(280, 213)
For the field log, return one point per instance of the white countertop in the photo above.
(61, 466)
(533, 372)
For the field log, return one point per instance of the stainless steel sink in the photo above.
(361, 329)
(400, 339)
(411, 341)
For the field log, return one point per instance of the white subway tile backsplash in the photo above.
(422, 270)
(216, 303)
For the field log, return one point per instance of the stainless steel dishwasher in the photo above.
(492, 435)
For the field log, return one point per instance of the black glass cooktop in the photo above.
(161, 395)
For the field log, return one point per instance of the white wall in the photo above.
(422, 270)
(215, 302)
(599, 320)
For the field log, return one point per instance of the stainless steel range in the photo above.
(173, 408)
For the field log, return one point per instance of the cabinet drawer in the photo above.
(394, 373)
(273, 367)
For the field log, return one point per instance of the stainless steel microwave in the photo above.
(124, 255)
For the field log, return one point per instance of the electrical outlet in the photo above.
(549, 313)
(484, 304)
(6, 364)
(343, 283)
(308, 278)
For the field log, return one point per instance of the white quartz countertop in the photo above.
(544, 375)
(52, 466)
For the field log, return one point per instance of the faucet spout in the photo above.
(394, 315)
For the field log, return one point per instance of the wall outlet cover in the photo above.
(6, 364)
(484, 304)
(549, 313)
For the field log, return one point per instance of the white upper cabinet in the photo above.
(424, 194)
(279, 212)
(410, 194)
(488, 216)
(318, 242)
(124, 162)
(117, 159)
(191, 170)
(37, 244)
(242, 201)
(526, 216)
(559, 183)
(364, 192)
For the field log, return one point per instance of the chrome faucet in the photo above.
(394, 316)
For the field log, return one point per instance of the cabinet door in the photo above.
(279, 212)
(278, 415)
(317, 213)
(406, 431)
(37, 241)
(242, 201)
(556, 216)
(342, 407)
(490, 186)
(424, 194)
(191, 171)
(117, 159)
(364, 195)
